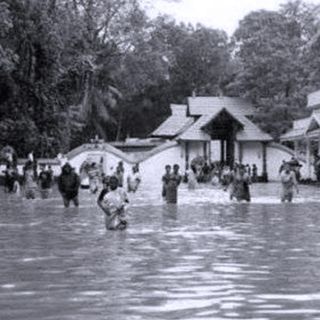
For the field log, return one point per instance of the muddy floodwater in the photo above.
(206, 258)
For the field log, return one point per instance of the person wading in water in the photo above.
(288, 182)
(112, 201)
(173, 184)
(68, 184)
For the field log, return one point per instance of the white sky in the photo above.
(219, 14)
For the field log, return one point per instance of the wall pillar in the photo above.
(205, 151)
(209, 151)
(240, 152)
(187, 154)
(230, 151)
(264, 162)
(222, 151)
(308, 158)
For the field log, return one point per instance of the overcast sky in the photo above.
(220, 14)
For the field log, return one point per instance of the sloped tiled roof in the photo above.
(250, 131)
(299, 129)
(314, 99)
(207, 105)
(302, 127)
(301, 123)
(175, 124)
(195, 133)
(293, 134)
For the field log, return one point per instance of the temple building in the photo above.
(218, 129)
(305, 134)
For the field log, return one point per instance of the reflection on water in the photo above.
(203, 259)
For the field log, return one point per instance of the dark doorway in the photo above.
(224, 127)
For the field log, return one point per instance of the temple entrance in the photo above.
(224, 127)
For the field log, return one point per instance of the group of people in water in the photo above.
(33, 180)
(236, 179)
(113, 198)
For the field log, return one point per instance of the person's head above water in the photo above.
(67, 169)
(168, 168)
(287, 167)
(113, 183)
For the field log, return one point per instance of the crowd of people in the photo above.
(113, 199)
(236, 179)
(39, 179)
(32, 179)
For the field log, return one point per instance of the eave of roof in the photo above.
(302, 128)
(173, 126)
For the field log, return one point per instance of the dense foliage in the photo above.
(71, 69)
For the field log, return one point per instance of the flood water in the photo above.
(206, 258)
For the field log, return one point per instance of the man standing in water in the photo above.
(69, 183)
(165, 180)
(288, 182)
(44, 181)
(133, 179)
(173, 184)
(241, 182)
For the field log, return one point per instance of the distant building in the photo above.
(219, 129)
(305, 134)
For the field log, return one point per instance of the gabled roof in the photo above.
(250, 131)
(314, 99)
(207, 105)
(175, 124)
(303, 127)
(195, 132)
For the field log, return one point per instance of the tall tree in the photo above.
(270, 49)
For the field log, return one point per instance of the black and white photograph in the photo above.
(159, 160)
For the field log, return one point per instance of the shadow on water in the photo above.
(205, 258)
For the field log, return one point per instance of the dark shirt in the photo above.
(69, 184)
(45, 180)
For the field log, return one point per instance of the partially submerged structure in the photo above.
(219, 129)
(215, 128)
(305, 134)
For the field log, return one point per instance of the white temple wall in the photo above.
(215, 150)
(252, 154)
(152, 169)
(275, 155)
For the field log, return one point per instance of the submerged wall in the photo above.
(152, 168)
(152, 163)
